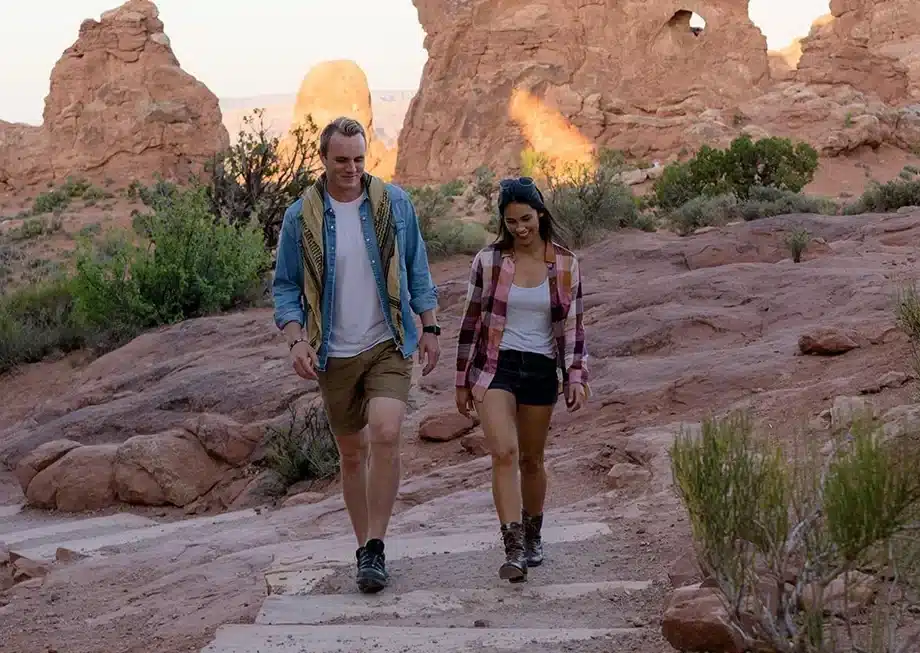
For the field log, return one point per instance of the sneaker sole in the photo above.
(372, 583)
(534, 563)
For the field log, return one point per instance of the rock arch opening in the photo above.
(686, 21)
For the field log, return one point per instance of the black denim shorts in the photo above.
(530, 377)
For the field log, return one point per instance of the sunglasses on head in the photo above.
(523, 187)
(511, 182)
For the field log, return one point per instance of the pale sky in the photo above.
(241, 48)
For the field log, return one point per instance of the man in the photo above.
(352, 269)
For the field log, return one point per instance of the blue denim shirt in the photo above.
(418, 291)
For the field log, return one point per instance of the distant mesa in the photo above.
(120, 107)
(339, 88)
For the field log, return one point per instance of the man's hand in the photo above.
(429, 351)
(464, 401)
(575, 397)
(303, 358)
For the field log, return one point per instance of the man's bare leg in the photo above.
(353, 455)
(385, 418)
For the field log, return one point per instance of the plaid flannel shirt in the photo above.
(491, 277)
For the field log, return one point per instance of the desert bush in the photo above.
(484, 185)
(35, 227)
(745, 165)
(455, 237)
(759, 516)
(305, 449)
(718, 210)
(908, 320)
(589, 199)
(51, 201)
(797, 243)
(890, 196)
(766, 202)
(38, 320)
(261, 175)
(705, 211)
(195, 265)
(453, 188)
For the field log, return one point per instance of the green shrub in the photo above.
(50, 202)
(766, 202)
(38, 320)
(455, 237)
(890, 196)
(745, 165)
(797, 242)
(484, 185)
(260, 176)
(453, 188)
(195, 265)
(432, 206)
(758, 514)
(705, 211)
(305, 449)
(588, 200)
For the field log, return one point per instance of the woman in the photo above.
(522, 331)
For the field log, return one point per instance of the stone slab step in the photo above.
(323, 608)
(237, 638)
(72, 528)
(91, 544)
(9, 511)
(294, 563)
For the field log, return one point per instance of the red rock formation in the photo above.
(505, 75)
(119, 107)
(339, 88)
(621, 72)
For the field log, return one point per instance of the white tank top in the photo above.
(529, 322)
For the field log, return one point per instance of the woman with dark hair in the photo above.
(522, 333)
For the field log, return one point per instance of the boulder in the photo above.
(166, 468)
(80, 480)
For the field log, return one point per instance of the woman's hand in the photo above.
(575, 397)
(464, 401)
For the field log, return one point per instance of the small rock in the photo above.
(25, 569)
(302, 499)
(892, 379)
(67, 556)
(684, 570)
(626, 474)
(696, 619)
(846, 410)
(482, 623)
(826, 342)
(475, 443)
(445, 427)
(844, 596)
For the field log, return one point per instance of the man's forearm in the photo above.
(429, 318)
(292, 330)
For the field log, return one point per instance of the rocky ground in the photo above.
(678, 328)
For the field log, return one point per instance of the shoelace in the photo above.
(371, 559)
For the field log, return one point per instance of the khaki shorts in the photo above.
(348, 384)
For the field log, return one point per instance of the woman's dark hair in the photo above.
(523, 190)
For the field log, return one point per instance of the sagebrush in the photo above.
(305, 449)
(789, 537)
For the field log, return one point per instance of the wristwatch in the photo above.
(434, 328)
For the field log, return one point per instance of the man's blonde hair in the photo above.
(341, 125)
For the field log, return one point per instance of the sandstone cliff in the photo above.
(565, 78)
(120, 107)
(339, 88)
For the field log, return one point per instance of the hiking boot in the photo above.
(533, 543)
(515, 567)
(372, 570)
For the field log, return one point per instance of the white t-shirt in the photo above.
(357, 319)
(528, 322)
